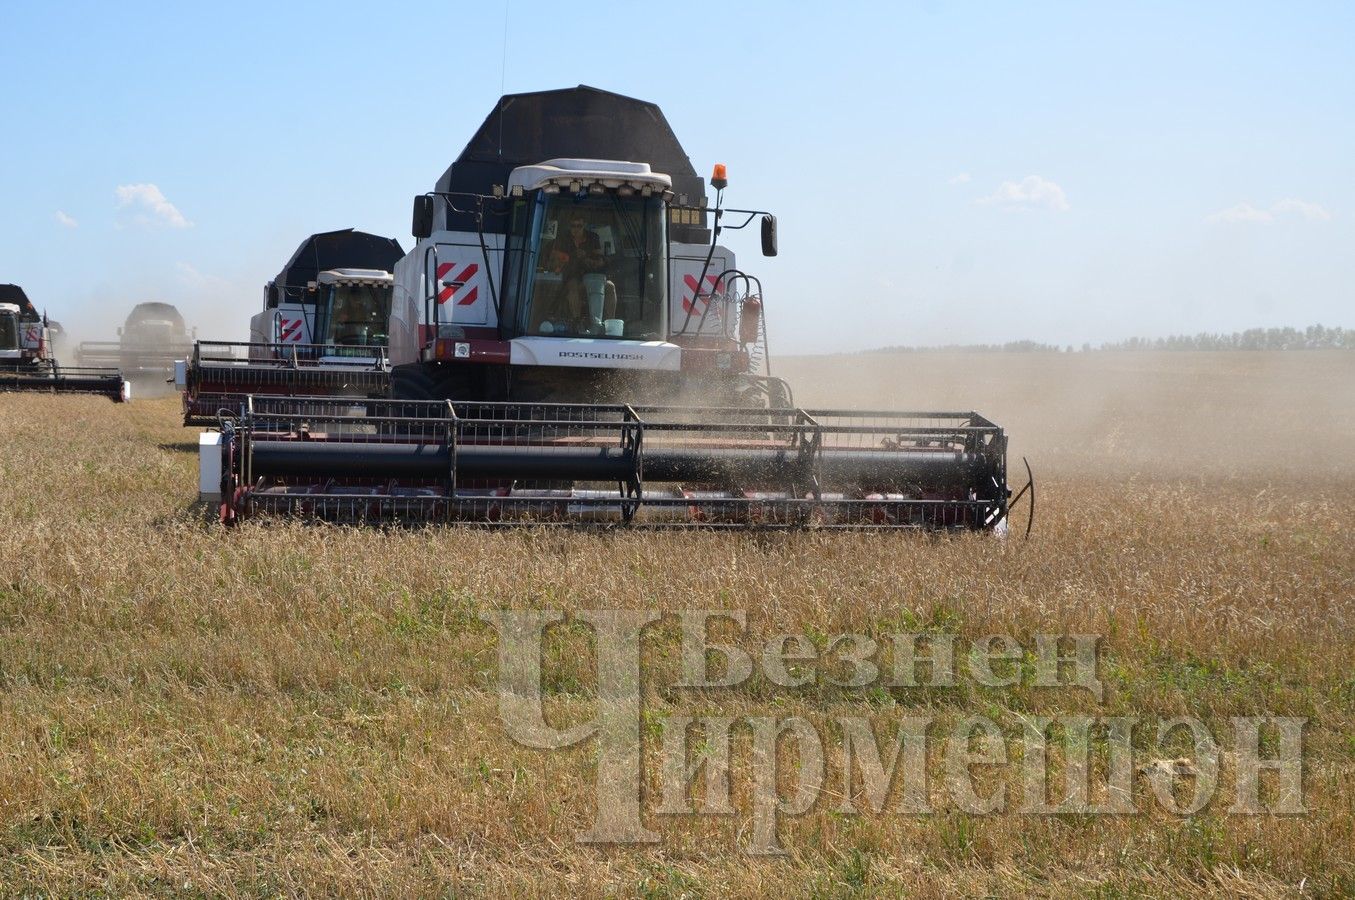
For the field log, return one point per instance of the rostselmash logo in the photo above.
(779, 766)
(593, 354)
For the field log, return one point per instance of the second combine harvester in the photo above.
(322, 331)
(570, 342)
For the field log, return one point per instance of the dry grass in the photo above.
(310, 709)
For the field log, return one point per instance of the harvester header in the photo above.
(498, 463)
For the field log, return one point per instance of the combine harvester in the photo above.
(152, 339)
(27, 362)
(572, 343)
(322, 331)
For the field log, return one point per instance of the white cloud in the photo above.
(962, 178)
(1031, 192)
(66, 220)
(1245, 212)
(1303, 208)
(150, 205)
(189, 274)
(195, 280)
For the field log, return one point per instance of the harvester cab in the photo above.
(571, 342)
(28, 364)
(351, 314)
(588, 293)
(570, 253)
(322, 331)
(19, 340)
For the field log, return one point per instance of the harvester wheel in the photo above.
(763, 392)
(411, 383)
(779, 396)
(416, 382)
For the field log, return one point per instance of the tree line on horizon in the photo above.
(1314, 337)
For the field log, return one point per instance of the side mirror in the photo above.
(119, 331)
(423, 216)
(769, 235)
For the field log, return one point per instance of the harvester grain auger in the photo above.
(27, 362)
(322, 331)
(571, 342)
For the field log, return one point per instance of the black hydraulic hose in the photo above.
(484, 255)
(705, 267)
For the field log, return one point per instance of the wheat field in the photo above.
(287, 709)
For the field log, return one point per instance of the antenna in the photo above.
(503, 72)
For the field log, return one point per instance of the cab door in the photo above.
(458, 280)
(691, 307)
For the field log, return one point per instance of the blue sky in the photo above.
(942, 172)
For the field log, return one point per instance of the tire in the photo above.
(411, 383)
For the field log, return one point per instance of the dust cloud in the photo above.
(1177, 414)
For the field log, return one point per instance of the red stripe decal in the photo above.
(692, 304)
(449, 291)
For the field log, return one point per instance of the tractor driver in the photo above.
(576, 253)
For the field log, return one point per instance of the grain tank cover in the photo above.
(155, 311)
(12, 293)
(343, 249)
(572, 123)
